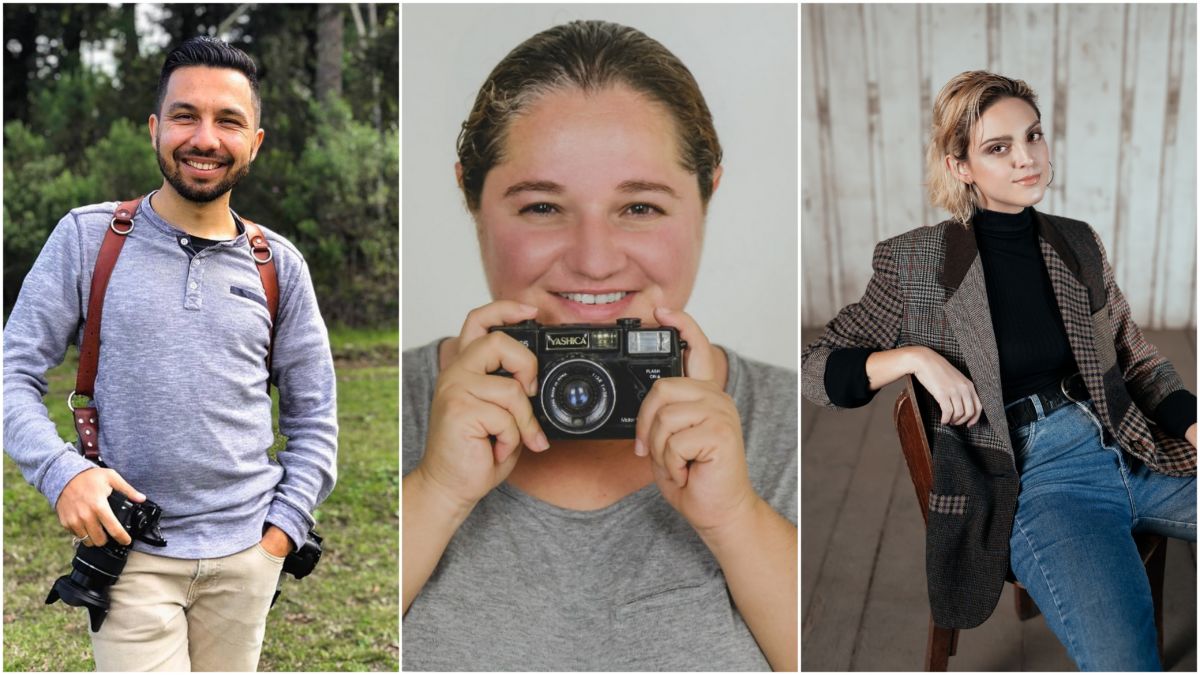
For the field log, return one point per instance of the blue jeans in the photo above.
(1081, 500)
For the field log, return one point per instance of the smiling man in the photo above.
(188, 346)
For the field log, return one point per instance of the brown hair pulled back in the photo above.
(959, 105)
(589, 55)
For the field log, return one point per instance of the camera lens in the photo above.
(578, 395)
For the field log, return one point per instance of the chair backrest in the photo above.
(907, 417)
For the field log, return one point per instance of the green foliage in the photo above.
(40, 187)
(338, 203)
(326, 178)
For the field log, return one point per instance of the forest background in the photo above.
(79, 85)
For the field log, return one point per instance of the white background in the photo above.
(744, 57)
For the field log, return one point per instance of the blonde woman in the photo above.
(1057, 431)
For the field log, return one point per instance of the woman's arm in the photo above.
(431, 518)
(954, 393)
(479, 423)
(1149, 376)
(873, 323)
(757, 553)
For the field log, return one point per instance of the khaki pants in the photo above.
(188, 615)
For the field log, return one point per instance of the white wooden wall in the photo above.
(1116, 86)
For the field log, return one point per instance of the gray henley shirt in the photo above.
(526, 585)
(181, 389)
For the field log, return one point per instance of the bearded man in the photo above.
(188, 346)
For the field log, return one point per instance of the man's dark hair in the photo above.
(203, 50)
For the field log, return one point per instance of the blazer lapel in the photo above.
(1081, 299)
(970, 317)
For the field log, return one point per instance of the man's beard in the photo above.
(200, 195)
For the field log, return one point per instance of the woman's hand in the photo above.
(479, 422)
(691, 430)
(954, 393)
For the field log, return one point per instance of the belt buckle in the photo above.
(1062, 386)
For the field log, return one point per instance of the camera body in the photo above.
(592, 377)
(96, 568)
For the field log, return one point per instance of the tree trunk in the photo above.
(129, 51)
(329, 51)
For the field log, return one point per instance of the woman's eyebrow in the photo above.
(1006, 137)
(533, 186)
(646, 186)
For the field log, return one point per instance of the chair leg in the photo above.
(942, 644)
(1155, 567)
(1026, 607)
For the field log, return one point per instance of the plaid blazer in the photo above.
(928, 289)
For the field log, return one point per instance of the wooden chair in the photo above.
(943, 642)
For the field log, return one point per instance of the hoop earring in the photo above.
(1051, 173)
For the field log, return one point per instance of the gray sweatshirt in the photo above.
(527, 585)
(185, 416)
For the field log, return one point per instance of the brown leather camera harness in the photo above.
(87, 419)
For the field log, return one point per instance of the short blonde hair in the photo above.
(958, 107)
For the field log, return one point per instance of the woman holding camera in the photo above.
(587, 163)
(1057, 432)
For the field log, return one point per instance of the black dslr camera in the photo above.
(95, 568)
(592, 377)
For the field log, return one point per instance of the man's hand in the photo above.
(83, 508)
(1190, 435)
(275, 542)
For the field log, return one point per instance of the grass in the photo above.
(344, 617)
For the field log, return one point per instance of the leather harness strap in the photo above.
(264, 260)
(87, 419)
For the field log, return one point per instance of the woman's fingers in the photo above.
(700, 363)
(689, 447)
(665, 440)
(496, 422)
(497, 313)
(508, 395)
(665, 391)
(500, 351)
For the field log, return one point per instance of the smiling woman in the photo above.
(1057, 431)
(587, 164)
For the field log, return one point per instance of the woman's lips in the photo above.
(1029, 181)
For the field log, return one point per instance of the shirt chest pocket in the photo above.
(248, 295)
(238, 315)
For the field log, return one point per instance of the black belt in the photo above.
(1069, 390)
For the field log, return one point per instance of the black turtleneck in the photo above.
(1030, 339)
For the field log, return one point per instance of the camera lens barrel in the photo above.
(95, 569)
(578, 395)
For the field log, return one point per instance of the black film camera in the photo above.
(301, 562)
(95, 568)
(592, 377)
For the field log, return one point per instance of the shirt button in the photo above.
(192, 285)
(195, 263)
(183, 241)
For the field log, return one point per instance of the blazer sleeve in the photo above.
(872, 324)
(1149, 377)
